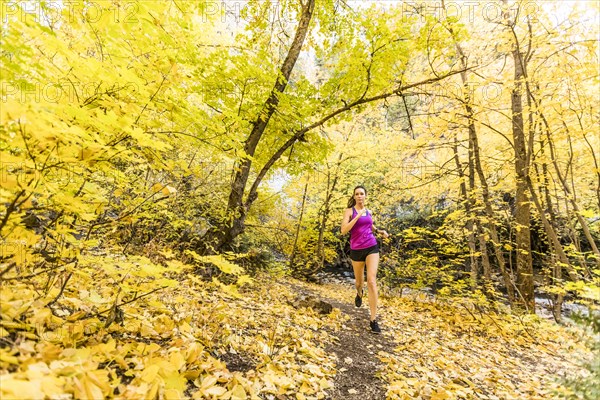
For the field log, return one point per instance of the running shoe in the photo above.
(358, 300)
(375, 326)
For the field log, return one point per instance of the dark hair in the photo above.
(352, 201)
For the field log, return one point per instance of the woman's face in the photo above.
(359, 195)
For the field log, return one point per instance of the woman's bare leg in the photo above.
(359, 275)
(372, 264)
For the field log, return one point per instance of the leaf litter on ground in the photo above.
(172, 343)
(109, 333)
(445, 350)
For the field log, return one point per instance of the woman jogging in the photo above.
(363, 249)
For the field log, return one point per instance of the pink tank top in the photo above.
(361, 234)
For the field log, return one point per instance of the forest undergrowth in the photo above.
(235, 337)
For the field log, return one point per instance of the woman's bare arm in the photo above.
(348, 223)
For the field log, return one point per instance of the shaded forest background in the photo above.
(229, 136)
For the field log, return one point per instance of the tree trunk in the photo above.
(549, 208)
(327, 210)
(293, 255)
(522, 217)
(485, 259)
(471, 225)
(524, 271)
(596, 165)
(558, 250)
(236, 209)
(476, 164)
(559, 298)
(320, 256)
(474, 265)
(577, 243)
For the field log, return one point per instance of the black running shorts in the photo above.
(361, 255)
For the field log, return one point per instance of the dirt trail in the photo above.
(356, 349)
